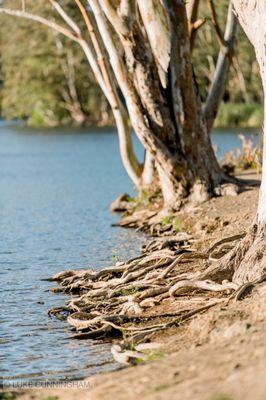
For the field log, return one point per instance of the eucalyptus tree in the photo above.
(248, 261)
(140, 54)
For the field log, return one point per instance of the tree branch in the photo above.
(218, 85)
(126, 147)
(101, 56)
(41, 20)
(247, 11)
(135, 108)
(194, 24)
(240, 77)
(72, 24)
(128, 156)
(215, 22)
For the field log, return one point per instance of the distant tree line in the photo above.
(142, 56)
(44, 77)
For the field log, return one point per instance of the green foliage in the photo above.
(36, 65)
(155, 355)
(131, 199)
(115, 258)
(128, 292)
(167, 220)
(222, 397)
(151, 357)
(173, 221)
(244, 84)
(147, 197)
(46, 78)
(240, 115)
(7, 396)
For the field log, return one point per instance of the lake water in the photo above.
(55, 189)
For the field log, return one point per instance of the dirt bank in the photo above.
(219, 355)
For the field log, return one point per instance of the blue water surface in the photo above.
(55, 189)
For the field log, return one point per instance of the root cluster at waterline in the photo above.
(168, 284)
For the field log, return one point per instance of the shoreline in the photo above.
(225, 333)
(231, 115)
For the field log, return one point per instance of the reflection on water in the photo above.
(55, 188)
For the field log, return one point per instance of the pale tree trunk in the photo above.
(248, 261)
(92, 51)
(168, 122)
(149, 61)
(129, 159)
(127, 153)
(148, 174)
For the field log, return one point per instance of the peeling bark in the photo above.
(168, 121)
(155, 22)
(249, 258)
(143, 50)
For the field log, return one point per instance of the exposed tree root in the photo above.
(113, 325)
(150, 220)
(250, 257)
(184, 286)
(247, 288)
(121, 300)
(245, 263)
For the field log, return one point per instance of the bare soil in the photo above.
(220, 355)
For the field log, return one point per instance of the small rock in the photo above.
(229, 189)
(121, 203)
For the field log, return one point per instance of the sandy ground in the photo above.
(220, 355)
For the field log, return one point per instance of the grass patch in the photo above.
(154, 356)
(8, 396)
(145, 199)
(172, 221)
(131, 199)
(160, 387)
(115, 258)
(128, 292)
(50, 398)
(222, 397)
(151, 357)
(167, 220)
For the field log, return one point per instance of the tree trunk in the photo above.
(149, 55)
(249, 258)
(129, 159)
(148, 174)
(165, 114)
